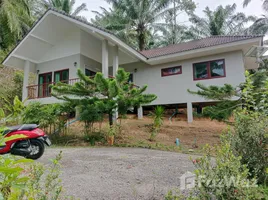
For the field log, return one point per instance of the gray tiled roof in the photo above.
(195, 44)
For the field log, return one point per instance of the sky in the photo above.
(254, 8)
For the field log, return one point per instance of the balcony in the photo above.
(44, 90)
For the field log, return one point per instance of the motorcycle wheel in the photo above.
(38, 149)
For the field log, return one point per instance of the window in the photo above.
(131, 78)
(89, 72)
(61, 76)
(171, 71)
(209, 70)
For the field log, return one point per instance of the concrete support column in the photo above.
(190, 112)
(140, 112)
(115, 60)
(25, 80)
(115, 68)
(105, 58)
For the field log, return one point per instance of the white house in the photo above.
(59, 44)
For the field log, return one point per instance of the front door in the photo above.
(44, 81)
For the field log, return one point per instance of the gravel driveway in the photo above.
(119, 173)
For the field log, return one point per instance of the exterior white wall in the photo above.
(60, 64)
(69, 45)
(173, 89)
(90, 64)
(169, 89)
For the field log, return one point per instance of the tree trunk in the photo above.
(141, 42)
(141, 36)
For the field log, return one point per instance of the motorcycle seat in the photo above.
(24, 127)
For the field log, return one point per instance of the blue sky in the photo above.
(254, 7)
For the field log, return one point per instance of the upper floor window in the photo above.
(61, 76)
(171, 71)
(209, 70)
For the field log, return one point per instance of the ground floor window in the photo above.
(61, 76)
(131, 78)
(209, 69)
(89, 72)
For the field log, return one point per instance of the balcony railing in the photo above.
(44, 90)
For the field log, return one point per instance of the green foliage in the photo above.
(25, 179)
(63, 5)
(49, 117)
(158, 116)
(15, 19)
(91, 113)
(132, 20)
(12, 111)
(221, 111)
(229, 98)
(227, 178)
(215, 92)
(221, 21)
(250, 137)
(105, 95)
(250, 141)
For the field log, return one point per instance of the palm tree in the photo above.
(15, 19)
(222, 21)
(132, 20)
(264, 4)
(260, 26)
(64, 5)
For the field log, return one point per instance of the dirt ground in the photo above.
(192, 136)
(196, 134)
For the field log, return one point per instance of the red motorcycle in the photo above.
(25, 140)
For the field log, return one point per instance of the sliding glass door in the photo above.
(43, 85)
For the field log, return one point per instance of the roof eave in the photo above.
(153, 60)
(105, 34)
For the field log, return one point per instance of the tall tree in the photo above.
(112, 94)
(64, 5)
(179, 7)
(264, 4)
(15, 19)
(222, 21)
(132, 20)
(260, 26)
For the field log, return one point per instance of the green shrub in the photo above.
(158, 116)
(25, 179)
(249, 140)
(51, 117)
(94, 137)
(225, 177)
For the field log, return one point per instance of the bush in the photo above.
(158, 116)
(249, 140)
(25, 179)
(224, 178)
(51, 117)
